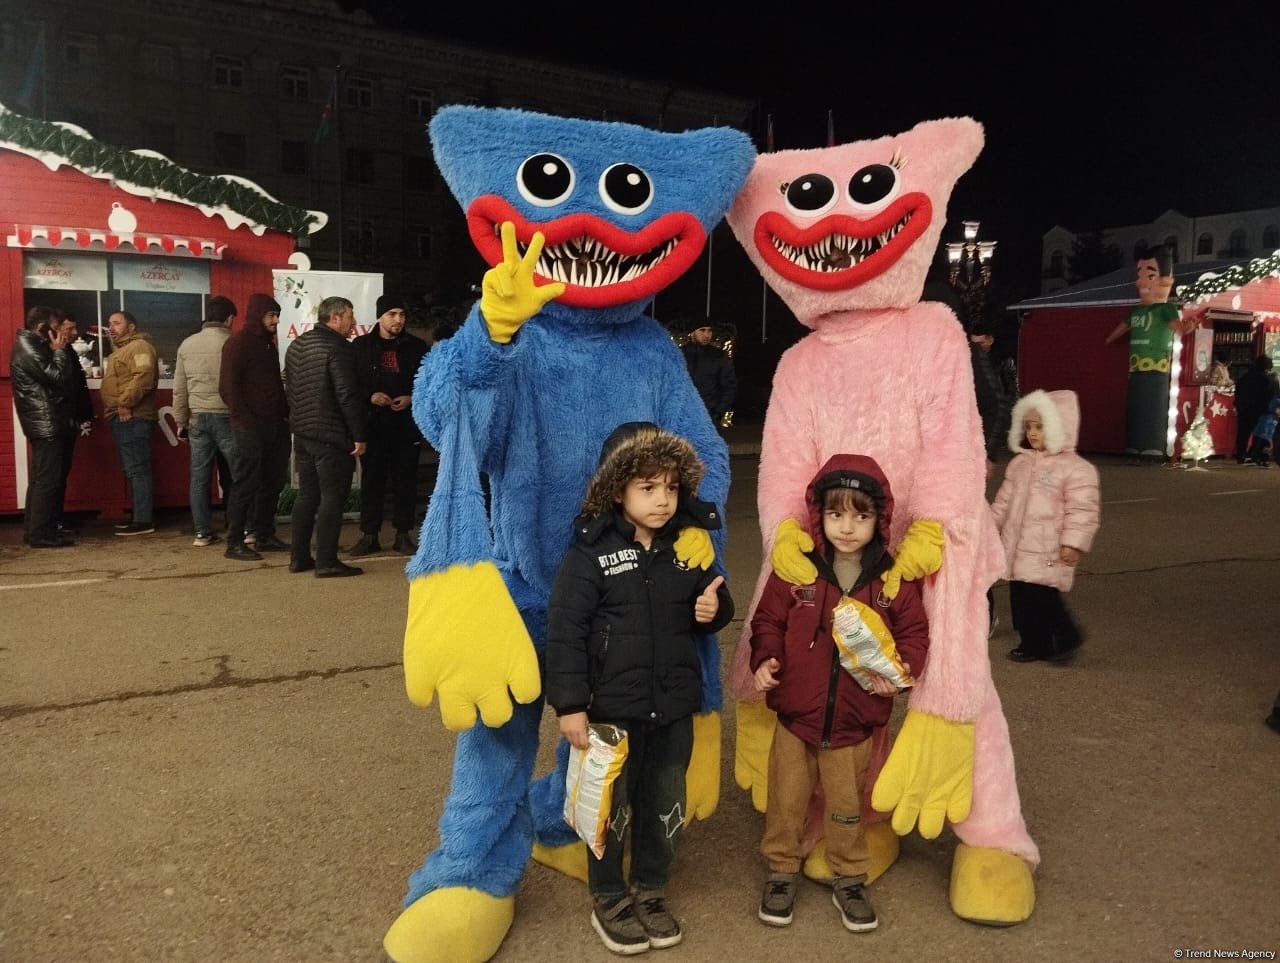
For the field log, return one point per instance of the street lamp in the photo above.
(969, 264)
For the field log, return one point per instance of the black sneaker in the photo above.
(136, 528)
(337, 570)
(404, 544)
(269, 543)
(778, 900)
(855, 909)
(1022, 655)
(659, 925)
(241, 552)
(367, 545)
(618, 927)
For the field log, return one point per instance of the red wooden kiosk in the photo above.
(91, 229)
(1061, 345)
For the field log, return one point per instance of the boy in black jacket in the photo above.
(620, 649)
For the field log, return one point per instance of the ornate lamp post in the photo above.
(969, 263)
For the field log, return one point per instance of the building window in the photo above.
(228, 150)
(1204, 244)
(80, 50)
(158, 60)
(295, 82)
(419, 174)
(1055, 264)
(361, 239)
(161, 138)
(359, 167)
(358, 94)
(228, 72)
(419, 102)
(293, 157)
(1237, 245)
(1270, 238)
(418, 242)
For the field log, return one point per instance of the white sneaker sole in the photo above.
(623, 949)
(774, 920)
(849, 924)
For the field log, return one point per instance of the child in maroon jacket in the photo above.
(825, 718)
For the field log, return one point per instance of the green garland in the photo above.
(1236, 276)
(151, 173)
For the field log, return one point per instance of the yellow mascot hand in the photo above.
(928, 775)
(919, 554)
(756, 722)
(465, 640)
(694, 547)
(702, 778)
(508, 295)
(790, 542)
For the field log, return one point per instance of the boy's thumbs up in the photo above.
(708, 603)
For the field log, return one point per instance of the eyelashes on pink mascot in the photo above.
(845, 236)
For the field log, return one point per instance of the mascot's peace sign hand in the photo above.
(508, 295)
(708, 603)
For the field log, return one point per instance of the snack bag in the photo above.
(589, 783)
(866, 646)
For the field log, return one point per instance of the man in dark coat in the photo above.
(387, 358)
(711, 371)
(38, 367)
(80, 410)
(1254, 391)
(328, 415)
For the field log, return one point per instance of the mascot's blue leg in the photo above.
(546, 800)
(486, 833)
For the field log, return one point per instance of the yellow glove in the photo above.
(508, 296)
(790, 542)
(702, 778)
(919, 554)
(928, 775)
(756, 722)
(465, 639)
(694, 547)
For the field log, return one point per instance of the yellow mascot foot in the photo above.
(882, 841)
(570, 859)
(453, 925)
(991, 887)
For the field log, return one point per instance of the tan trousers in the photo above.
(794, 768)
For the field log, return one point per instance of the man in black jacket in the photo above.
(387, 358)
(79, 409)
(711, 371)
(328, 415)
(39, 371)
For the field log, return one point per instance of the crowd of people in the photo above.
(336, 401)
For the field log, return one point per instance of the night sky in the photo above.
(1089, 123)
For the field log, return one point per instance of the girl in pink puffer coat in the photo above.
(1047, 510)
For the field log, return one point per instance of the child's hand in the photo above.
(765, 677)
(1069, 555)
(573, 727)
(883, 687)
(708, 603)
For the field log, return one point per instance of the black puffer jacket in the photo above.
(620, 627)
(40, 387)
(324, 393)
(711, 371)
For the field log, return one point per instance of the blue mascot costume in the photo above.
(582, 223)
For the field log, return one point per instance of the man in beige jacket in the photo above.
(129, 407)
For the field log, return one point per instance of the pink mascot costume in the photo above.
(845, 236)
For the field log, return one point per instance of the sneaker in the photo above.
(1022, 655)
(204, 539)
(120, 525)
(367, 545)
(618, 927)
(659, 925)
(241, 552)
(269, 543)
(778, 900)
(855, 909)
(136, 528)
(250, 538)
(404, 544)
(337, 570)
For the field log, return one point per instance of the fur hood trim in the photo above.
(635, 446)
(1060, 412)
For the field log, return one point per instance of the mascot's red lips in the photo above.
(842, 251)
(601, 265)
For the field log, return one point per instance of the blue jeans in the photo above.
(208, 434)
(133, 448)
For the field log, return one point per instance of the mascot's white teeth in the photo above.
(586, 262)
(837, 252)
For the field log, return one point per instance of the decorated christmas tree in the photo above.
(1196, 443)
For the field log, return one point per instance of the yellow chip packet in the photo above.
(866, 645)
(588, 786)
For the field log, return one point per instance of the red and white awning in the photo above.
(90, 239)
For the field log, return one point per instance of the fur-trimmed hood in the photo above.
(1060, 412)
(636, 445)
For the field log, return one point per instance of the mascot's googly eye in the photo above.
(545, 179)
(811, 195)
(873, 185)
(626, 189)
